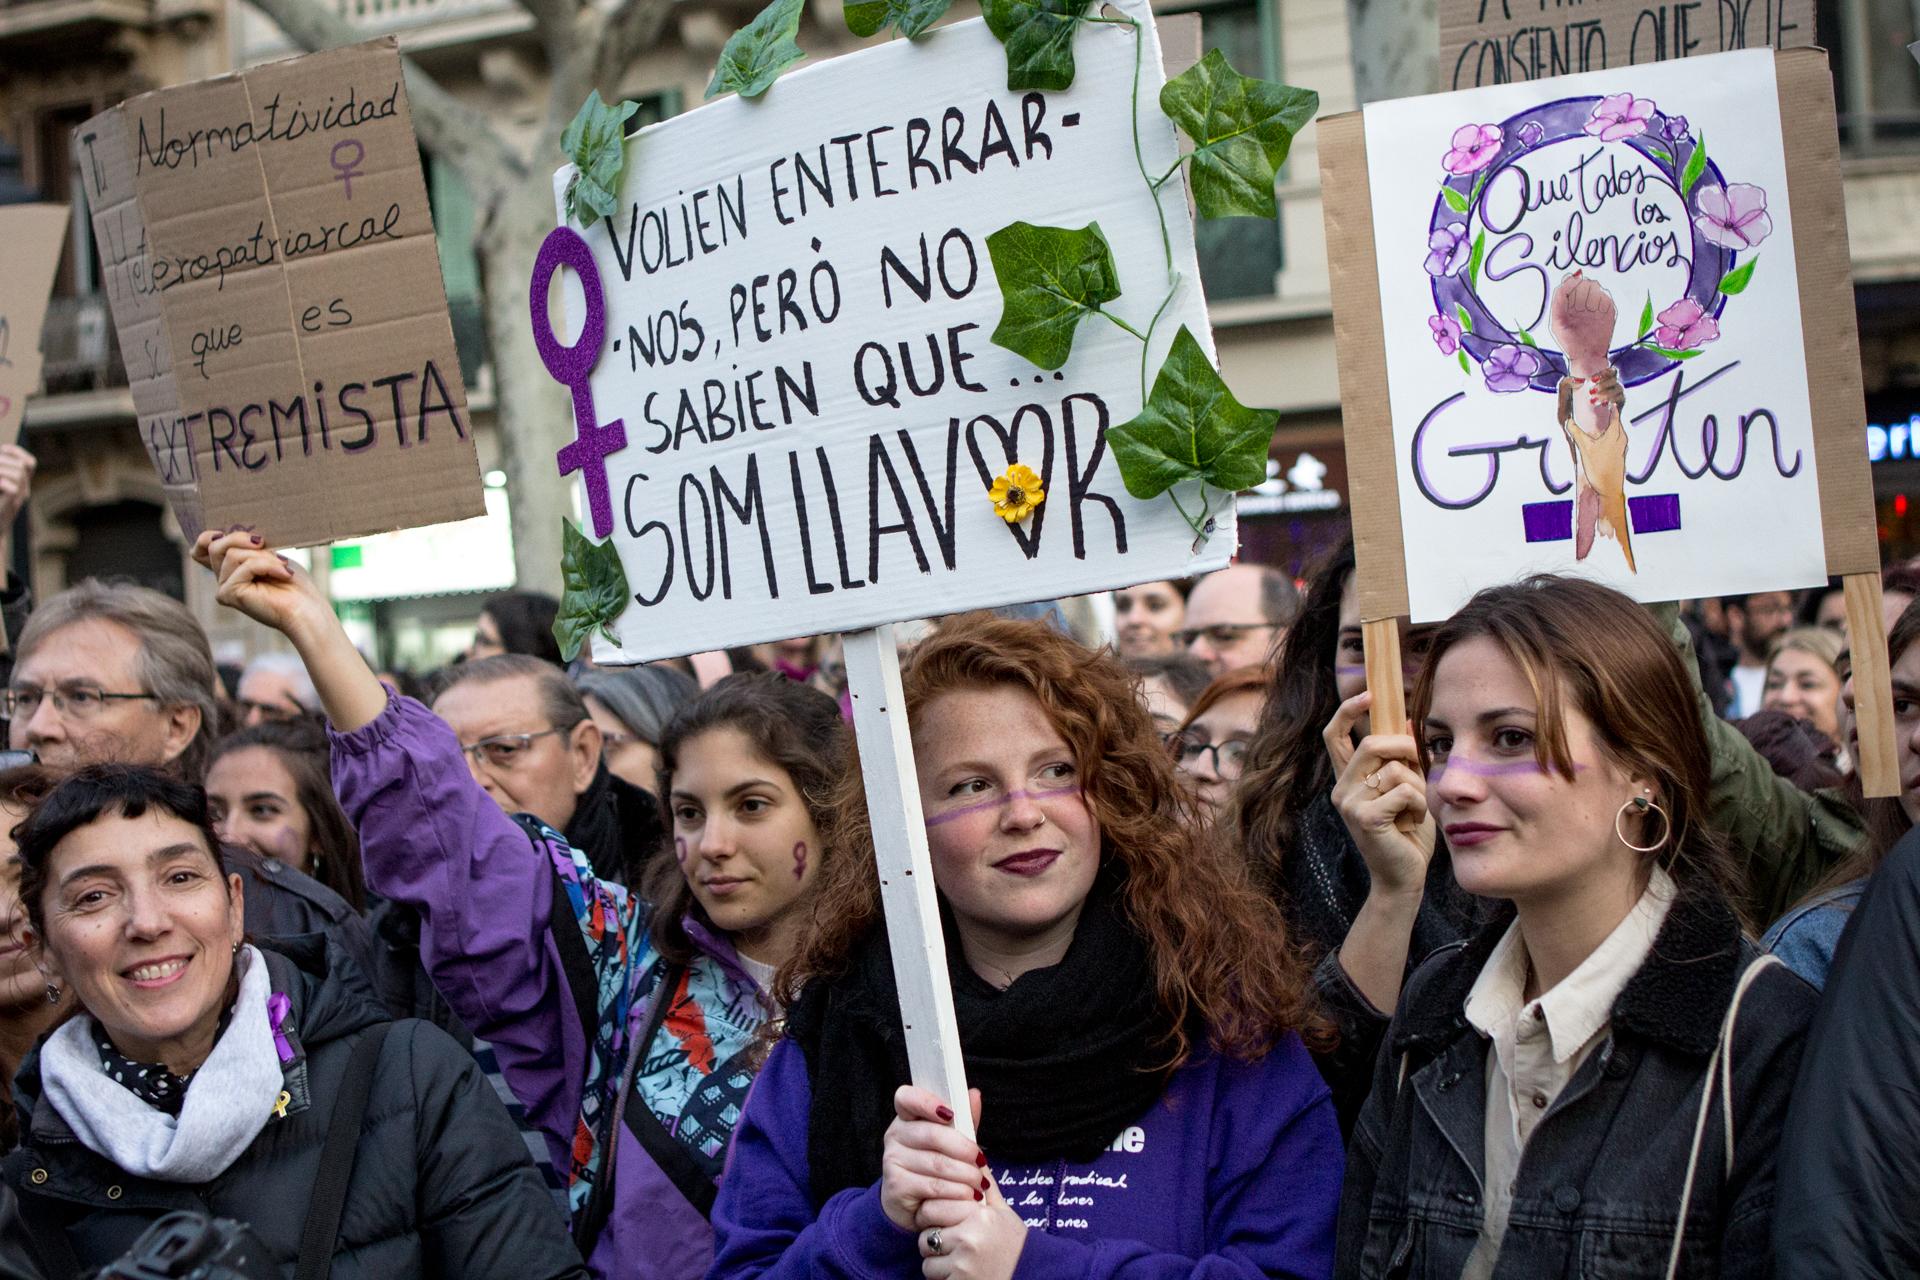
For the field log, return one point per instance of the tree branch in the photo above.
(555, 21)
(446, 126)
(631, 26)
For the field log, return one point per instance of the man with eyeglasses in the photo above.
(1237, 616)
(533, 747)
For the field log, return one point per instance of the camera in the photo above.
(192, 1246)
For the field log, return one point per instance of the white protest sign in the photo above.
(795, 303)
(1592, 325)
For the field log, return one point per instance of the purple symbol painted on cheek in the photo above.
(680, 850)
(572, 366)
(800, 860)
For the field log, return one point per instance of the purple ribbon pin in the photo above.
(278, 1007)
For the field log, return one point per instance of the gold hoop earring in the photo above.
(1641, 805)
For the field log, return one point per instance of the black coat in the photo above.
(284, 903)
(1850, 1159)
(1599, 1185)
(441, 1184)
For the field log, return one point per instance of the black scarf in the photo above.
(617, 825)
(1064, 1059)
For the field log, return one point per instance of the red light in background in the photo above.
(1900, 504)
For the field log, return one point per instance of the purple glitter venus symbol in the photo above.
(571, 366)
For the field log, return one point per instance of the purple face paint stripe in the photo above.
(1479, 769)
(1349, 671)
(998, 802)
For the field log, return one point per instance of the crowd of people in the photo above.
(1601, 965)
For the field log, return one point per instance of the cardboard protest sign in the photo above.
(1683, 417)
(30, 236)
(788, 319)
(271, 265)
(1501, 41)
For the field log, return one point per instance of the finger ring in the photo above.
(1372, 780)
(934, 1246)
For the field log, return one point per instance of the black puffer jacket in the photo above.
(441, 1184)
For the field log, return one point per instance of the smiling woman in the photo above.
(202, 1066)
(1156, 1110)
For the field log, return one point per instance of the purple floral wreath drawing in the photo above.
(1725, 223)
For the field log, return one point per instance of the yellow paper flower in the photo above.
(1017, 493)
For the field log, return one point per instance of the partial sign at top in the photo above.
(30, 236)
(1500, 41)
(788, 319)
(270, 260)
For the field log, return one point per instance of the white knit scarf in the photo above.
(226, 1106)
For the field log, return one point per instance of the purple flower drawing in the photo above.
(1620, 116)
(1450, 250)
(1734, 217)
(1474, 147)
(1446, 333)
(1676, 129)
(1685, 325)
(1532, 133)
(1510, 368)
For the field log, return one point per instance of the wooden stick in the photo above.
(1384, 678)
(1875, 755)
(906, 870)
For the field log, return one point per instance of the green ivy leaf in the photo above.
(1464, 366)
(596, 141)
(1039, 39)
(1050, 278)
(1473, 262)
(1735, 281)
(1241, 130)
(1696, 164)
(1466, 321)
(1671, 354)
(594, 590)
(1646, 319)
(1455, 201)
(1192, 429)
(757, 53)
(1526, 340)
(909, 17)
(1660, 155)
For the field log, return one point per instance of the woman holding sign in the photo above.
(1596, 1082)
(627, 1023)
(1128, 1008)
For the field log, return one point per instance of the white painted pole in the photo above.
(906, 870)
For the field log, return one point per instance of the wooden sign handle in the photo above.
(906, 871)
(1384, 678)
(1875, 755)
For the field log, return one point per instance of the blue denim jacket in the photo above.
(1599, 1185)
(1805, 937)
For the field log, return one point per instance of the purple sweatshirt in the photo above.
(432, 839)
(1235, 1172)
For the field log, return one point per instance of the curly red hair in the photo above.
(1221, 955)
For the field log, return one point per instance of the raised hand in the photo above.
(1382, 797)
(259, 583)
(925, 1159)
(16, 483)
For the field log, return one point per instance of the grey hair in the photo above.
(559, 700)
(289, 665)
(176, 663)
(1279, 598)
(643, 698)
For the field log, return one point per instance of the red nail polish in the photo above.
(984, 1184)
(255, 538)
(978, 1196)
(981, 1159)
(945, 1113)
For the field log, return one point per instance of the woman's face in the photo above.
(1806, 688)
(1517, 829)
(142, 925)
(20, 981)
(486, 639)
(1014, 846)
(1215, 746)
(745, 841)
(1906, 727)
(627, 755)
(256, 802)
(1350, 652)
(1145, 618)
(1166, 708)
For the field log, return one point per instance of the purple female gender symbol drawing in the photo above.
(571, 366)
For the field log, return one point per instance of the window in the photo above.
(1875, 83)
(1239, 257)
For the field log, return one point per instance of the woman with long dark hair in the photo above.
(1596, 1081)
(1143, 1107)
(270, 789)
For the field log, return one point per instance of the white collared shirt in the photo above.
(1538, 1045)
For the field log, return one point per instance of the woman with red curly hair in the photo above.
(1130, 1013)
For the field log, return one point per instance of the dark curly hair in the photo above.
(792, 725)
(1220, 951)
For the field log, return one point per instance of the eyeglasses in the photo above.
(273, 710)
(80, 701)
(505, 750)
(1229, 758)
(1219, 633)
